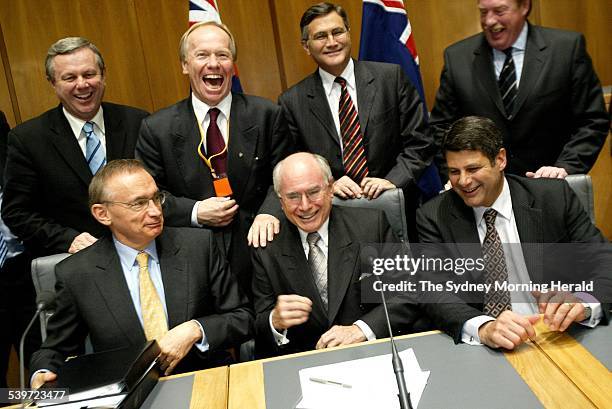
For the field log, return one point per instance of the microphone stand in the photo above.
(39, 309)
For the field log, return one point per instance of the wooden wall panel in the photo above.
(5, 97)
(31, 27)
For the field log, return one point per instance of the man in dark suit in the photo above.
(486, 206)
(143, 282)
(549, 105)
(47, 170)
(385, 134)
(177, 145)
(308, 282)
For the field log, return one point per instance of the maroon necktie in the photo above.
(353, 153)
(215, 144)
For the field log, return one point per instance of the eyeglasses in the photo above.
(312, 195)
(141, 204)
(323, 36)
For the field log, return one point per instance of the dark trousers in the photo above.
(17, 306)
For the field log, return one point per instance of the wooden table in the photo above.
(210, 388)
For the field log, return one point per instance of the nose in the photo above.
(464, 179)
(304, 202)
(153, 209)
(212, 61)
(331, 40)
(488, 19)
(81, 82)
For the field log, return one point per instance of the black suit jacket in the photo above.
(545, 211)
(47, 177)
(559, 117)
(93, 298)
(396, 141)
(258, 141)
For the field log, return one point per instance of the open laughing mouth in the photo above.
(84, 97)
(213, 81)
(471, 191)
(307, 217)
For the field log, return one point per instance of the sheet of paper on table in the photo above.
(361, 383)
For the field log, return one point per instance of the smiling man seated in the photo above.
(143, 282)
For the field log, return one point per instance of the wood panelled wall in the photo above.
(139, 41)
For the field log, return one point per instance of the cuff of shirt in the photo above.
(194, 215)
(281, 339)
(367, 331)
(36, 373)
(596, 310)
(202, 345)
(469, 332)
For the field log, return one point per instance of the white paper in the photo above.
(372, 381)
(107, 401)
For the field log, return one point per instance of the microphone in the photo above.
(44, 301)
(403, 394)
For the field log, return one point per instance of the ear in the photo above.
(101, 214)
(501, 160)
(184, 66)
(305, 45)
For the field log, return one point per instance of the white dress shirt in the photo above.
(76, 124)
(518, 55)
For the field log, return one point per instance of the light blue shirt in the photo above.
(518, 55)
(129, 265)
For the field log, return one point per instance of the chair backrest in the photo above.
(583, 187)
(43, 276)
(391, 202)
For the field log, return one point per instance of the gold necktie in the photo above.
(153, 316)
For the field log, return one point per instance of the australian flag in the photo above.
(207, 10)
(386, 36)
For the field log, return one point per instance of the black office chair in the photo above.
(391, 202)
(583, 187)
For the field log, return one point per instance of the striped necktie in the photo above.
(353, 153)
(3, 249)
(318, 265)
(94, 151)
(507, 83)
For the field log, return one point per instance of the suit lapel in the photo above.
(174, 276)
(484, 70)
(243, 136)
(366, 92)
(343, 255)
(115, 134)
(295, 266)
(319, 107)
(67, 146)
(111, 283)
(535, 56)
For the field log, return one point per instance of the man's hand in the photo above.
(176, 344)
(81, 241)
(217, 211)
(263, 230)
(560, 309)
(548, 172)
(346, 188)
(43, 377)
(290, 310)
(341, 335)
(373, 187)
(508, 331)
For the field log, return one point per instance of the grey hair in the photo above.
(69, 45)
(321, 161)
(183, 42)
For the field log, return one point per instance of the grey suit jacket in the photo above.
(93, 298)
(396, 141)
(47, 177)
(559, 117)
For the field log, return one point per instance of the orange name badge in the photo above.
(222, 187)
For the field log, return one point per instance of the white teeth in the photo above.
(213, 76)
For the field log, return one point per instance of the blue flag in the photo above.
(386, 36)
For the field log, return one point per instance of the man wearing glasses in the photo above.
(143, 282)
(52, 158)
(364, 117)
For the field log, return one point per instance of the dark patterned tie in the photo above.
(507, 83)
(3, 249)
(318, 265)
(495, 302)
(353, 154)
(215, 144)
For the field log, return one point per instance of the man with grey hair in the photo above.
(53, 157)
(213, 180)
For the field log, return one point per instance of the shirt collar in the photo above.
(348, 74)
(323, 232)
(127, 254)
(76, 124)
(519, 44)
(201, 108)
(502, 205)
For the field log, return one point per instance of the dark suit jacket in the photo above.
(545, 211)
(282, 268)
(397, 144)
(47, 177)
(258, 141)
(93, 298)
(559, 117)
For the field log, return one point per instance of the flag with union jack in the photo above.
(207, 10)
(386, 36)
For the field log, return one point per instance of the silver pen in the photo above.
(330, 382)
